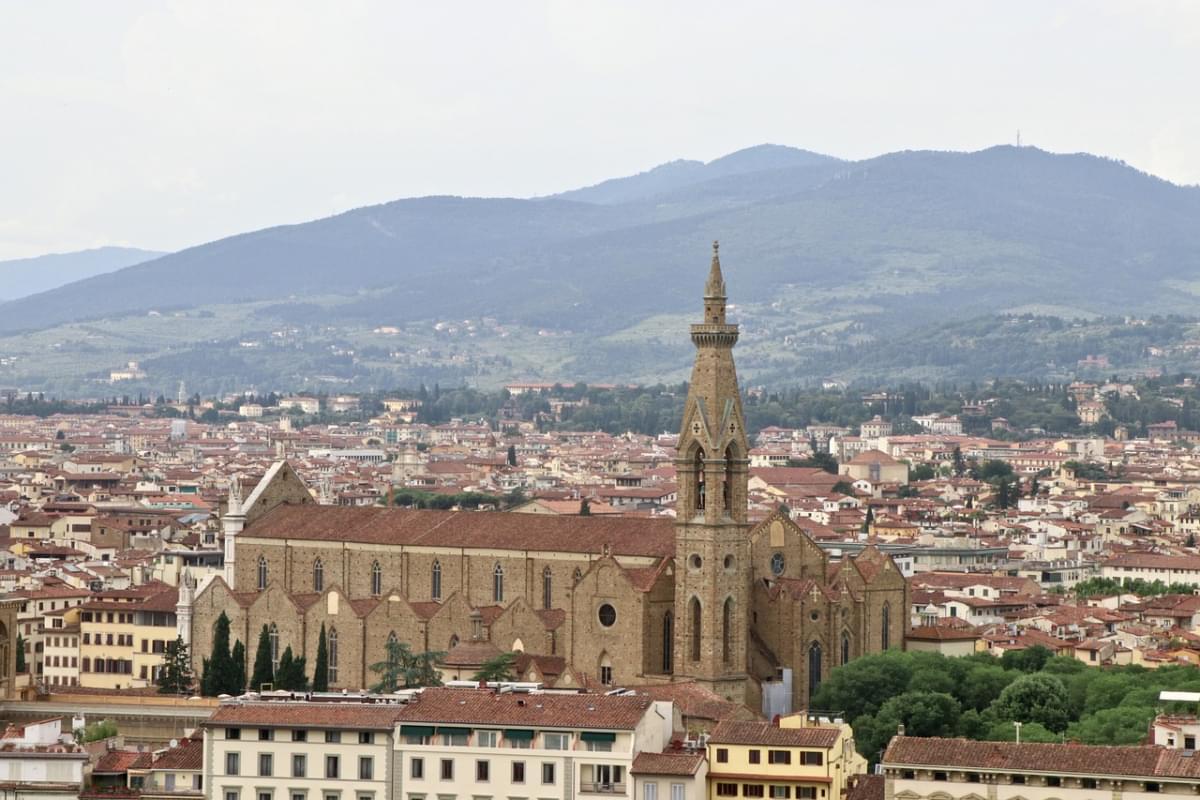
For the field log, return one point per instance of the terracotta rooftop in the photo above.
(481, 707)
(667, 763)
(350, 716)
(475, 529)
(764, 733)
(1139, 761)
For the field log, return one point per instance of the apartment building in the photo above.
(917, 768)
(440, 744)
(124, 636)
(299, 750)
(797, 757)
(470, 744)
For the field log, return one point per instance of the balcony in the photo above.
(594, 787)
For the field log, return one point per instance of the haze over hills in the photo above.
(26, 276)
(821, 255)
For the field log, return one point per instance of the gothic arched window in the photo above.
(606, 670)
(435, 581)
(376, 579)
(331, 646)
(668, 641)
(318, 576)
(273, 638)
(578, 575)
(699, 467)
(547, 588)
(885, 637)
(727, 631)
(814, 669)
(845, 648)
(262, 573)
(696, 628)
(392, 651)
(727, 487)
(498, 584)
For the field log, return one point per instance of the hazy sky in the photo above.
(166, 124)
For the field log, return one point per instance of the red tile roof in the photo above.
(361, 716)
(764, 733)
(667, 763)
(481, 707)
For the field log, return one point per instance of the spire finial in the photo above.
(715, 286)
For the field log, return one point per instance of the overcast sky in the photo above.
(166, 124)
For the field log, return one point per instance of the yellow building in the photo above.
(794, 759)
(123, 636)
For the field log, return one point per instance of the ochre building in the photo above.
(707, 596)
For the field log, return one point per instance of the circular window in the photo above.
(814, 616)
(729, 562)
(777, 564)
(695, 561)
(608, 615)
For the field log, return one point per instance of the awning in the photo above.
(444, 731)
(597, 736)
(517, 733)
(416, 730)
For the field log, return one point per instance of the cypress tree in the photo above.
(263, 671)
(220, 672)
(320, 681)
(237, 669)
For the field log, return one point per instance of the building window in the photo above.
(779, 757)
(677, 791)
(810, 759)
(266, 765)
(332, 647)
(1151, 786)
(482, 771)
(781, 792)
(606, 670)
(498, 584)
(264, 796)
(231, 795)
(577, 575)
(376, 579)
(233, 733)
(939, 776)
(755, 756)
(752, 790)
(607, 615)
(885, 636)
(366, 737)
(547, 588)
(447, 769)
(1019, 779)
(722, 755)
(727, 790)
(435, 580)
(416, 768)
(696, 628)
(332, 765)
(806, 793)
(318, 576)
(265, 734)
(299, 765)
(556, 741)
(273, 638)
(548, 772)
(668, 642)
(814, 669)
(488, 738)
(1089, 783)
(650, 791)
(727, 632)
(262, 573)
(232, 764)
(366, 768)
(518, 772)
(333, 737)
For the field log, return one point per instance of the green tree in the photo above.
(921, 472)
(844, 487)
(220, 674)
(291, 674)
(175, 676)
(391, 671)
(263, 671)
(1003, 494)
(320, 680)
(499, 668)
(1121, 725)
(20, 653)
(512, 455)
(238, 656)
(96, 731)
(1031, 659)
(960, 465)
(1037, 698)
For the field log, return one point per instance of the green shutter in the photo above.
(596, 736)
(416, 730)
(517, 733)
(444, 731)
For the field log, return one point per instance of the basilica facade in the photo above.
(619, 601)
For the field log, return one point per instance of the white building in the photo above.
(38, 760)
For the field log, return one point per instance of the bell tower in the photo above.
(712, 549)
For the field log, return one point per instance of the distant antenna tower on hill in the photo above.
(1018, 137)
(181, 398)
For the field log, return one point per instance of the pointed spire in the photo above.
(715, 287)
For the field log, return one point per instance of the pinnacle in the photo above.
(715, 287)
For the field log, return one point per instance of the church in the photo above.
(751, 611)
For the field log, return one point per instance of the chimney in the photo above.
(900, 729)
